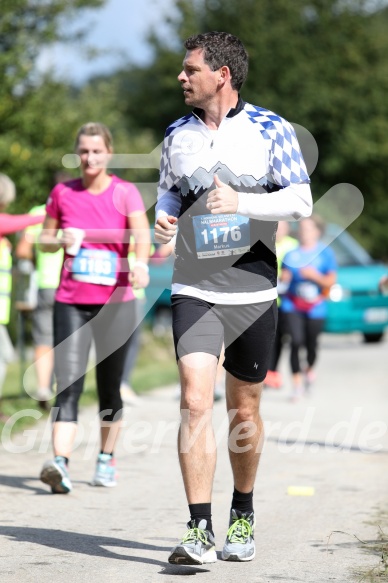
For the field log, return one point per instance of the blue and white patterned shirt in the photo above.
(231, 258)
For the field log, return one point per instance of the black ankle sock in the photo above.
(199, 511)
(107, 453)
(242, 501)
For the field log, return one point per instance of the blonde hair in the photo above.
(95, 129)
(7, 190)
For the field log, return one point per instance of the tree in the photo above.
(34, 109)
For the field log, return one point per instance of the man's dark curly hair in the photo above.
(220, 49)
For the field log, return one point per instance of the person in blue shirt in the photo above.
(309, 270)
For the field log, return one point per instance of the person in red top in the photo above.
(93, 218)
(10, 224)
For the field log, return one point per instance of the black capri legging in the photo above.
(75, 325)
(304, 332)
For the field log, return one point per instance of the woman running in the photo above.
(96, 214)
(309, 270)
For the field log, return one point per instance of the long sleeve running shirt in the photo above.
(231, 258)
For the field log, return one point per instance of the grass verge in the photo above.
(377, 548)
(155, 367)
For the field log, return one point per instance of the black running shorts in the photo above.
(248, 332)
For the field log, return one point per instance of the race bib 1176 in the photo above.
(221, 235)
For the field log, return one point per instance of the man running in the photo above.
(229, 171)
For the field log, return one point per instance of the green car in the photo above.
(355, 302)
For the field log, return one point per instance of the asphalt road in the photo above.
(335, 444)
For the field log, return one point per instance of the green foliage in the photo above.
(155, 367)
(34, 111)
(156, 364)
(25, 27)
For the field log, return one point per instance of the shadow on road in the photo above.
(92, 545)
(21, 482)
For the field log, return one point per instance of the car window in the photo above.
(346, 249)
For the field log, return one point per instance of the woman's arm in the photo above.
(140, 229)
(25, 248)
(321, 279)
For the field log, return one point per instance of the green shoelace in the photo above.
(239, 531)
(194, 534)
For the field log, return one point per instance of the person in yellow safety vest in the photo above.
(5, 280)
(6, 348)
(8, 224)
(284, 244)
(48, 267)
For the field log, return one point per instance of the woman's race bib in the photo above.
(221, 235)
(97, 266)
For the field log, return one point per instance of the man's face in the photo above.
(198, 81)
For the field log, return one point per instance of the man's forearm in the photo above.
(291, 203)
